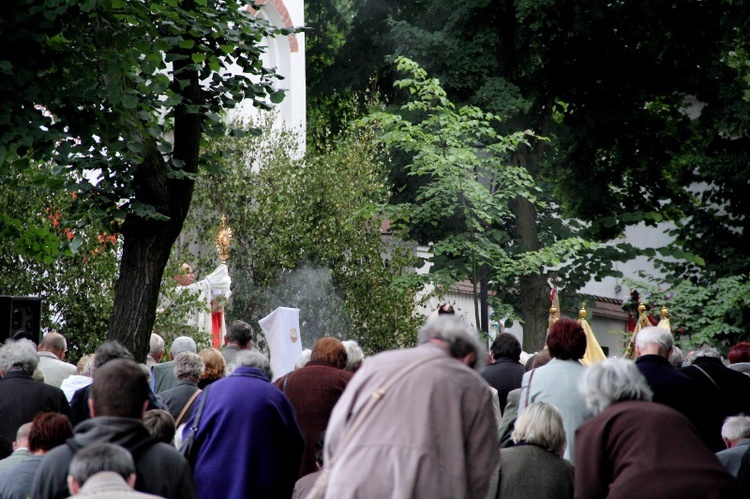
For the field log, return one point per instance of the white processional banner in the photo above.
(281, 328)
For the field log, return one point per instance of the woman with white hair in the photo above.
(354, 355)
(22, 398)
(633, 447)
(534, 467)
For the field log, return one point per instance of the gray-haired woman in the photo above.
(633, 447)
(534, 467)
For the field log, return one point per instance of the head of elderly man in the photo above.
(182, 344)
(188, 365)
(55, 344)
(735, 429)
(456, 337)
(654, 341)
(18, 355)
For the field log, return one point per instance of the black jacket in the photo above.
(504, 375)
(161, 470)
(678, 391)
(722, 392)
(21, 398)
(670, 386)
(79, 404)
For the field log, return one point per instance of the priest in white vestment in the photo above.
(213, 292)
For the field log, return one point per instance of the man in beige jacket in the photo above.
(52, 363)
(432, 433)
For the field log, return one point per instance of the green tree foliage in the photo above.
(467, 199)
(328, 23)
(716, 314)
(655, 112)
(120, 95)
(76, 288)
(307, 234)
(329, 72)
(644, 105)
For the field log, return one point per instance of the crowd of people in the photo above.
(442, 419)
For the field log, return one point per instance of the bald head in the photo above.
(54, 343)
(22, 437)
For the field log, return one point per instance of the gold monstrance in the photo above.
(223, 239)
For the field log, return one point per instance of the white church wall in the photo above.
(642, 237)
(287, 55)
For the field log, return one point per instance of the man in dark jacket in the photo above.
(653, 346)
(723, 391)
(107, 351)
(239, 337)
(117, 401)
(21, 398)
(162, 375)
(504, 373)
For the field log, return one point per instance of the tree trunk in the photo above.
(148, 242)
(535, 305)
(146, 249)
(144, 257)
(533, 290)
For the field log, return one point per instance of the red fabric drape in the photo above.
(216, 320)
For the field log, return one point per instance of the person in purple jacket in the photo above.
(248, 440)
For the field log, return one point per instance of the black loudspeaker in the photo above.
(20, 317)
